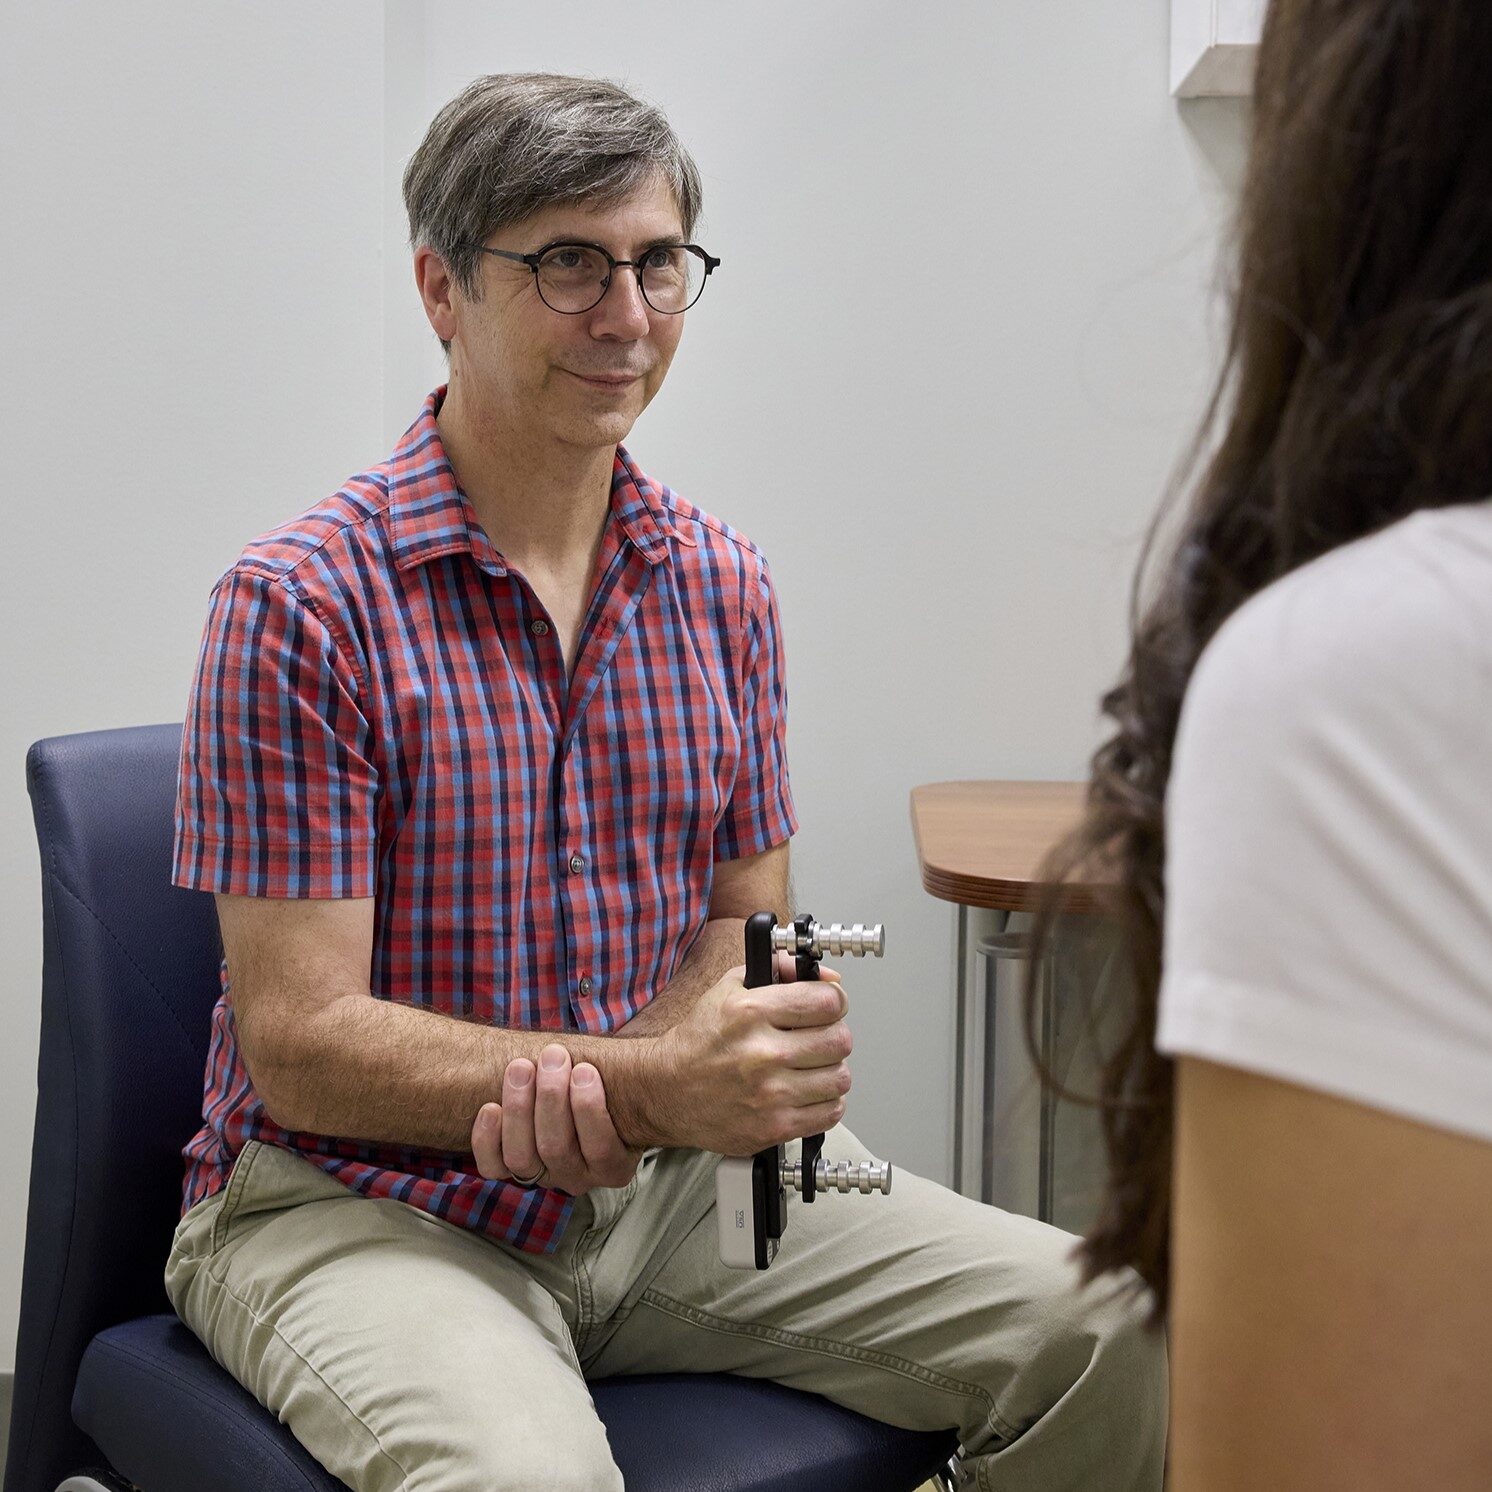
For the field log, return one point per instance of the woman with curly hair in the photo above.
(1295, 804)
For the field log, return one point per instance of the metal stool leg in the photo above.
(1046, 1188)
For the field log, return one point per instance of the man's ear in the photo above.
(437, 292)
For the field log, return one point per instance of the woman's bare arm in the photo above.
(1331, 1294)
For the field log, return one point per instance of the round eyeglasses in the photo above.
(573, 277)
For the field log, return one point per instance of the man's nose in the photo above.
(622, 311)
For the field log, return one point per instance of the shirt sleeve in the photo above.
(760, 813)
(276, 792)
(1329, 848)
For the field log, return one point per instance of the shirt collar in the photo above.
(429, 515)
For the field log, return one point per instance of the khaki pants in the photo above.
(407, 1353)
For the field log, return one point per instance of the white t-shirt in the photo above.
(1329, 829)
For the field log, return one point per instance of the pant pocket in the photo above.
(191, 1248)
(269, 1179)
(233, 1194)
(201, 1232)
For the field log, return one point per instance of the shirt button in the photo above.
(585, 985)
(577, 864)
(539, 627)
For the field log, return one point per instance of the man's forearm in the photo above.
(720, 947)
(369, 1069)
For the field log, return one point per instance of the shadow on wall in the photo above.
(1219, 129)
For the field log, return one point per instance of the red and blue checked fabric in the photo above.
(380, 708)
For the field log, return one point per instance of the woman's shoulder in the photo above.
(1403, 614)
(1328, 829)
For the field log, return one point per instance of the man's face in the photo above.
(582, 379)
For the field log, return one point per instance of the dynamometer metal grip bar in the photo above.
(814, 941)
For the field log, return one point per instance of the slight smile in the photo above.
(607, 383)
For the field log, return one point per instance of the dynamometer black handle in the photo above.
(761, 969)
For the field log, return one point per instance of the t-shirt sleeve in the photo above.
(760, 813)
(1329, 847)
(276, 792)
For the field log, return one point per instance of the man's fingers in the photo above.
(817, 1046)
(553, 1119)
(818, 1118)
(819, 1086)
(487, 1142)
(606, 1157)
(520, 1151)
(816, 1003)
(554, 1129)
(787, 969)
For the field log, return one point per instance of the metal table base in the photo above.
(1016, 1145)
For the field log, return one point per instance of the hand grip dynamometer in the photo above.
(751, 1190)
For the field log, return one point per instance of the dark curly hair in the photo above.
(1356, 388)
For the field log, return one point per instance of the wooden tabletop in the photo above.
(980, 843)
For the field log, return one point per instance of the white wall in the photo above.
(190, 352)
(960, 333)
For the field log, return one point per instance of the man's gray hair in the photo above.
(511, 144)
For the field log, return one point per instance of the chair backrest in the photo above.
(129, 978)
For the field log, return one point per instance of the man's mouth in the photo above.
(606, 380)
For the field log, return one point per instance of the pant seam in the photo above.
(289, 1346)
(594, 1237)
(231, 1198)
(582, 1296)
(828, 1347)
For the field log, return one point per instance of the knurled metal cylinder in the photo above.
(863, 1176)
(856, 940)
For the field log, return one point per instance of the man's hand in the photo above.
(749, 1068)
(552, 1125)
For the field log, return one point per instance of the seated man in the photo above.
(485, 764)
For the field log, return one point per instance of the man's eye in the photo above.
(659, 258)
(568, 258)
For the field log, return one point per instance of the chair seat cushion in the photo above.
(698, 1432)
(171, 1420)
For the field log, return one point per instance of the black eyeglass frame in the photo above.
(533, 261)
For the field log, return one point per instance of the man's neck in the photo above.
(543, 504)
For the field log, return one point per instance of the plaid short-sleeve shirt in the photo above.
(381, 709)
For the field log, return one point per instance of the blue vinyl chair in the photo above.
(111, 1390)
